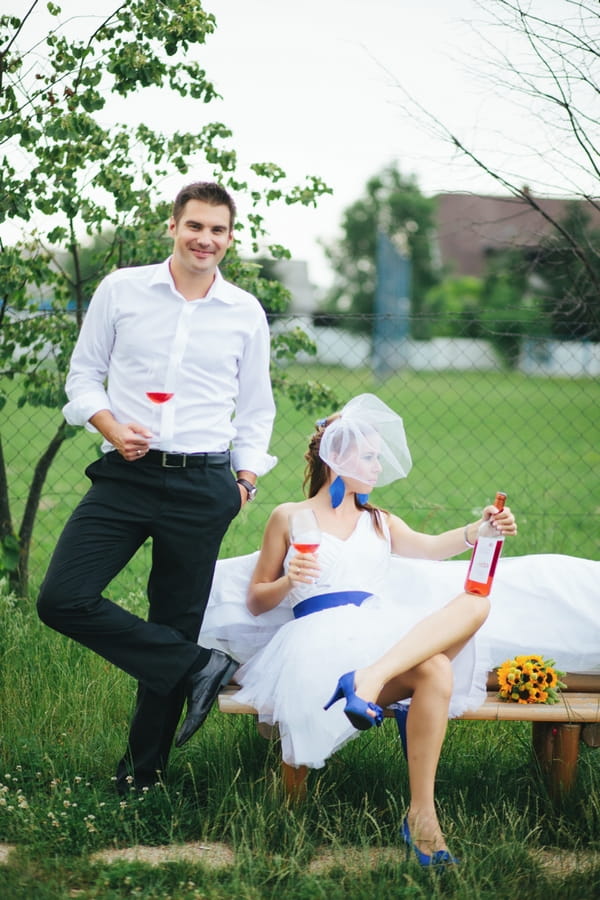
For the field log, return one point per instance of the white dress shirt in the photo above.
(140, 334)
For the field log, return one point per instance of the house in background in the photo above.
(293, 273)
(472, 227)
(469, 229)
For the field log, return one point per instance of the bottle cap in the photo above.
(500, 500)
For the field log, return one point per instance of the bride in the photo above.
(370, 617)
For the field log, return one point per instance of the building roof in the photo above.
(471, 226)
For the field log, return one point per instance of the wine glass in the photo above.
(305, 534)
(159, 396)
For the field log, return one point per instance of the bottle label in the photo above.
(483, 558)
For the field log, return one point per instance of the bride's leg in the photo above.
(431, 686)
(444, 631)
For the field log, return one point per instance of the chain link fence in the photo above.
(474, 426)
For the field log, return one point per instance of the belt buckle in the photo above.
(167, 465)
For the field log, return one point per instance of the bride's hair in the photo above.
(316, 474)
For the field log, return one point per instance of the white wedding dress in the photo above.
(548, 604)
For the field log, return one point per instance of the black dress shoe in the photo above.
(202, 688)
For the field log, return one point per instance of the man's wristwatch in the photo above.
(250, 488)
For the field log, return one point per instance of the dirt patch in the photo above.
(355, 859)
(5, 851)
(566, 862)
(215, 856)
(560, 863)
(218, 856)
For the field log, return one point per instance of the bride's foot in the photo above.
(423, 834)
(426, 832)
(361, 713)
(367, 686)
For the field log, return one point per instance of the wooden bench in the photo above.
(556, 729)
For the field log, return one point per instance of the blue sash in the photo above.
(327, 601)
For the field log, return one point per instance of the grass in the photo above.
(470, 434)
(65, 711)
(64, 719)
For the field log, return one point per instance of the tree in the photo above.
(502, 307)
(393, 203)
(266, 269)
(452, 308)
(552, 74)
(568, 298)
(509, 309)
(81, 180)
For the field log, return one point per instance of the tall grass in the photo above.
(64, 721)
(65, 712)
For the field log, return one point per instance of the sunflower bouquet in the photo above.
(529, 679)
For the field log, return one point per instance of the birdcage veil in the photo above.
(366, 425)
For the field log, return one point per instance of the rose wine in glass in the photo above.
(305, 534)
(486, 554)
(159, 396)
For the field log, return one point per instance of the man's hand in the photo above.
(129, 439)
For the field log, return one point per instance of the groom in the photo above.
(166, 472)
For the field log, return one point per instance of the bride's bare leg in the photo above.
(444, 631)
(431, 686)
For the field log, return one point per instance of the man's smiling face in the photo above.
(201, 236)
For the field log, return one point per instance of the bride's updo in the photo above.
(316, 471)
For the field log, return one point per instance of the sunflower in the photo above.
(529, 679)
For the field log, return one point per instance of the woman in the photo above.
(346, 629)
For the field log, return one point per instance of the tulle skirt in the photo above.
(548, 604)
(290, 680)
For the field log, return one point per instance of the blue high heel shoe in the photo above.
(439, 858)
(355, 708)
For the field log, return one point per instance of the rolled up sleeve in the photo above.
(255, 408)
(85, 385)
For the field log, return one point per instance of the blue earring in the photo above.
(363, 498)
(337, 489)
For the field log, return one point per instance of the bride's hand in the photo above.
(304, 568)
(503, 521)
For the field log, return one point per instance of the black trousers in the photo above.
(186, 512)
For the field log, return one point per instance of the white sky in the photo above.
(317, 87)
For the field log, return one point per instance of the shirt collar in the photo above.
(219, 290)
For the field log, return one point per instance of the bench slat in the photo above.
(572, 707)
(228, 703)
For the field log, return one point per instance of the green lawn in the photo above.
(470, 434)
(64, 711)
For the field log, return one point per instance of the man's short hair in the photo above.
(208, 192)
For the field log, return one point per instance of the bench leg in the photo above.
(294, 780)
(556, 746)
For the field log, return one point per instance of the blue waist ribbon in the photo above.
(328, 601)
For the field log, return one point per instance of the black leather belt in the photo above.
(184, 460)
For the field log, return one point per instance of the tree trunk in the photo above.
(5, 518)
(19, 579)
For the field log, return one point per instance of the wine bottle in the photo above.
(485, 556)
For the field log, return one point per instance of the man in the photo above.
(185, 358)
